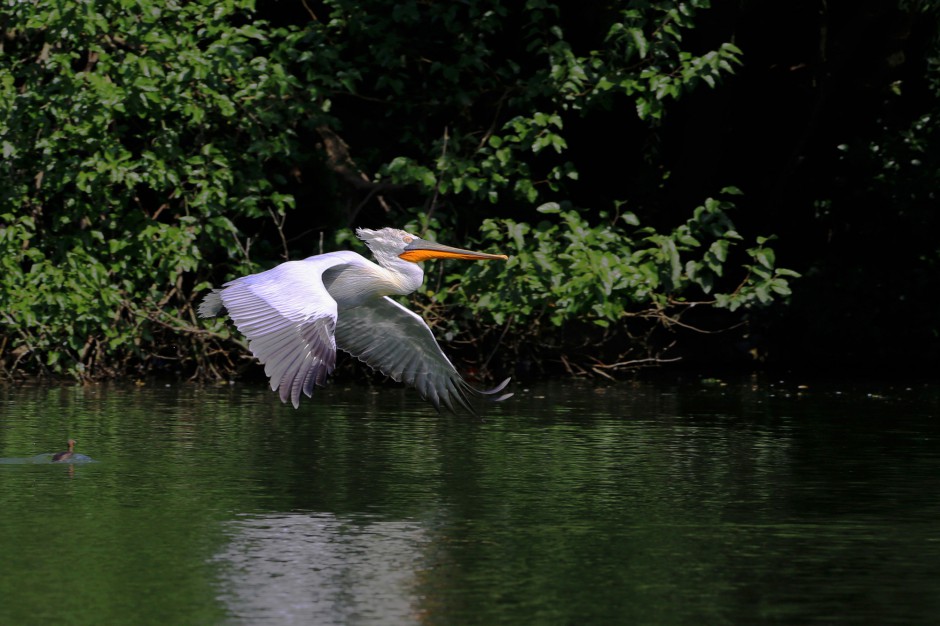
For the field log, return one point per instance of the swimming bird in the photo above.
(65, 456)
(298, 313)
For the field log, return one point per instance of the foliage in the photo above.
(133, 134)
(148, 145)
(575, 272)
(564, 273)
(487, 114)
(490, 119)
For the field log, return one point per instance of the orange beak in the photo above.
(421, 250)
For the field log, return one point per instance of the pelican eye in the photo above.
(407, 239)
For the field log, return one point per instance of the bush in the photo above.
(151, 149)
(565, 275)
(134, 135)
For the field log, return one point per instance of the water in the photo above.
(681, 503)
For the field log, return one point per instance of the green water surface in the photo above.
(644, 503)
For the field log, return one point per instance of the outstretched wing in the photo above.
(390, 338)
(289, 319)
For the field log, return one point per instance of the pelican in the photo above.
(298, 313)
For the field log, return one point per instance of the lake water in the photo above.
(644, 503)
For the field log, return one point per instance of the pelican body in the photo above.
(298, 313)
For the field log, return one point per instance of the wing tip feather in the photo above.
(211, 304)
(495, 390)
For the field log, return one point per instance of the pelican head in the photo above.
(388, 244)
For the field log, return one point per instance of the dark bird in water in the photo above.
(65, 456)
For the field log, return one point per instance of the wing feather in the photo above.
(289, 319)
(390, 338)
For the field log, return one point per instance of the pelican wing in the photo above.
(390, 338)
(289, 318)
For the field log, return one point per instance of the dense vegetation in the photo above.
(636, 162)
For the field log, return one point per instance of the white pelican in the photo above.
(296, 314)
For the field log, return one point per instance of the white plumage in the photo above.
(297, 314)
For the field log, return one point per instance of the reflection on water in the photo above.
(635, 503)
(319, 569)
(45, 458)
